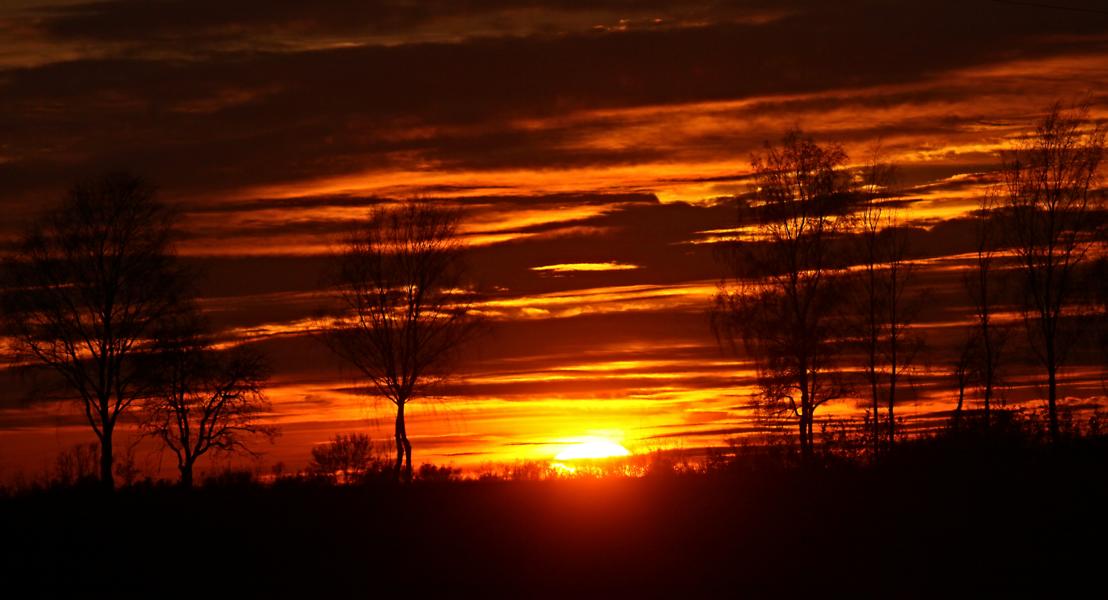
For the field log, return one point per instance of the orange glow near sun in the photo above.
(593, 448)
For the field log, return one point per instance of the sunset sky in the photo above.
(597, 154)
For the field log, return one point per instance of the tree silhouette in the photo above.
(985, 291)
(784, 296)
(88, 283)
(887, 309)
(77, 464)
(878, 176)
(1050, 186)
(203, 400)
(347, 458)
(1100, 294)
(961, 368)
(406, 315)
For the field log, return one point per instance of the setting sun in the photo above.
(594, 448)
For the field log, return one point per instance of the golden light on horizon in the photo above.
(592, 448)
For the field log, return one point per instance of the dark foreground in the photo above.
(922, 525)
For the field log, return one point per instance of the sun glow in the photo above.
(593, 448)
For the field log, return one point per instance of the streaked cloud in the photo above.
(589, 266)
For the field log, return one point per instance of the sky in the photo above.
(597, 151)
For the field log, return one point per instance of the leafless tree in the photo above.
(86, 286)
(902, 343)
(962, 370)
(347, 458)
(877, 176)
(887, 308)
(783, 299)
(985, 290)
(204, 400)
(77, 464)
(1100, 276)
(406, 310)
(1051, 192)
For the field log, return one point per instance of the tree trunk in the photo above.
(892, 422)
(892, 400)
(1052, 398)
(874, 333)
(805, 416)
(873, 340)
(805, 452)
(401, 441)
(988, 373)
(987, 340)
(987, 414)
(186, 475)
(807, 446)
(107, 480)
(407, 459)
(811, 438)
(876, 420)
(958, 409)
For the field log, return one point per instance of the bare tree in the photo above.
(1100, 293)
(783, 299)
(962, 370)
(348, 458)
(202, 399)
(406, 314)
(887, 309)
(77, 464)
(1050, 188)
(877, 176)
(902, 342)
(85, 288)
(986, 290)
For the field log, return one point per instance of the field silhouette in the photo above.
(953, 516)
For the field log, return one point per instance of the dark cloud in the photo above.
(291, 204)
(221, 121)
(212, 22)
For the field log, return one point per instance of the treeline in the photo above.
(824, 279)
(823, 296)
(95, 294)
(1014, 436)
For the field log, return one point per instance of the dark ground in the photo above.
(948, 523)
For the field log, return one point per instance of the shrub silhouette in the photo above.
(350, 458)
